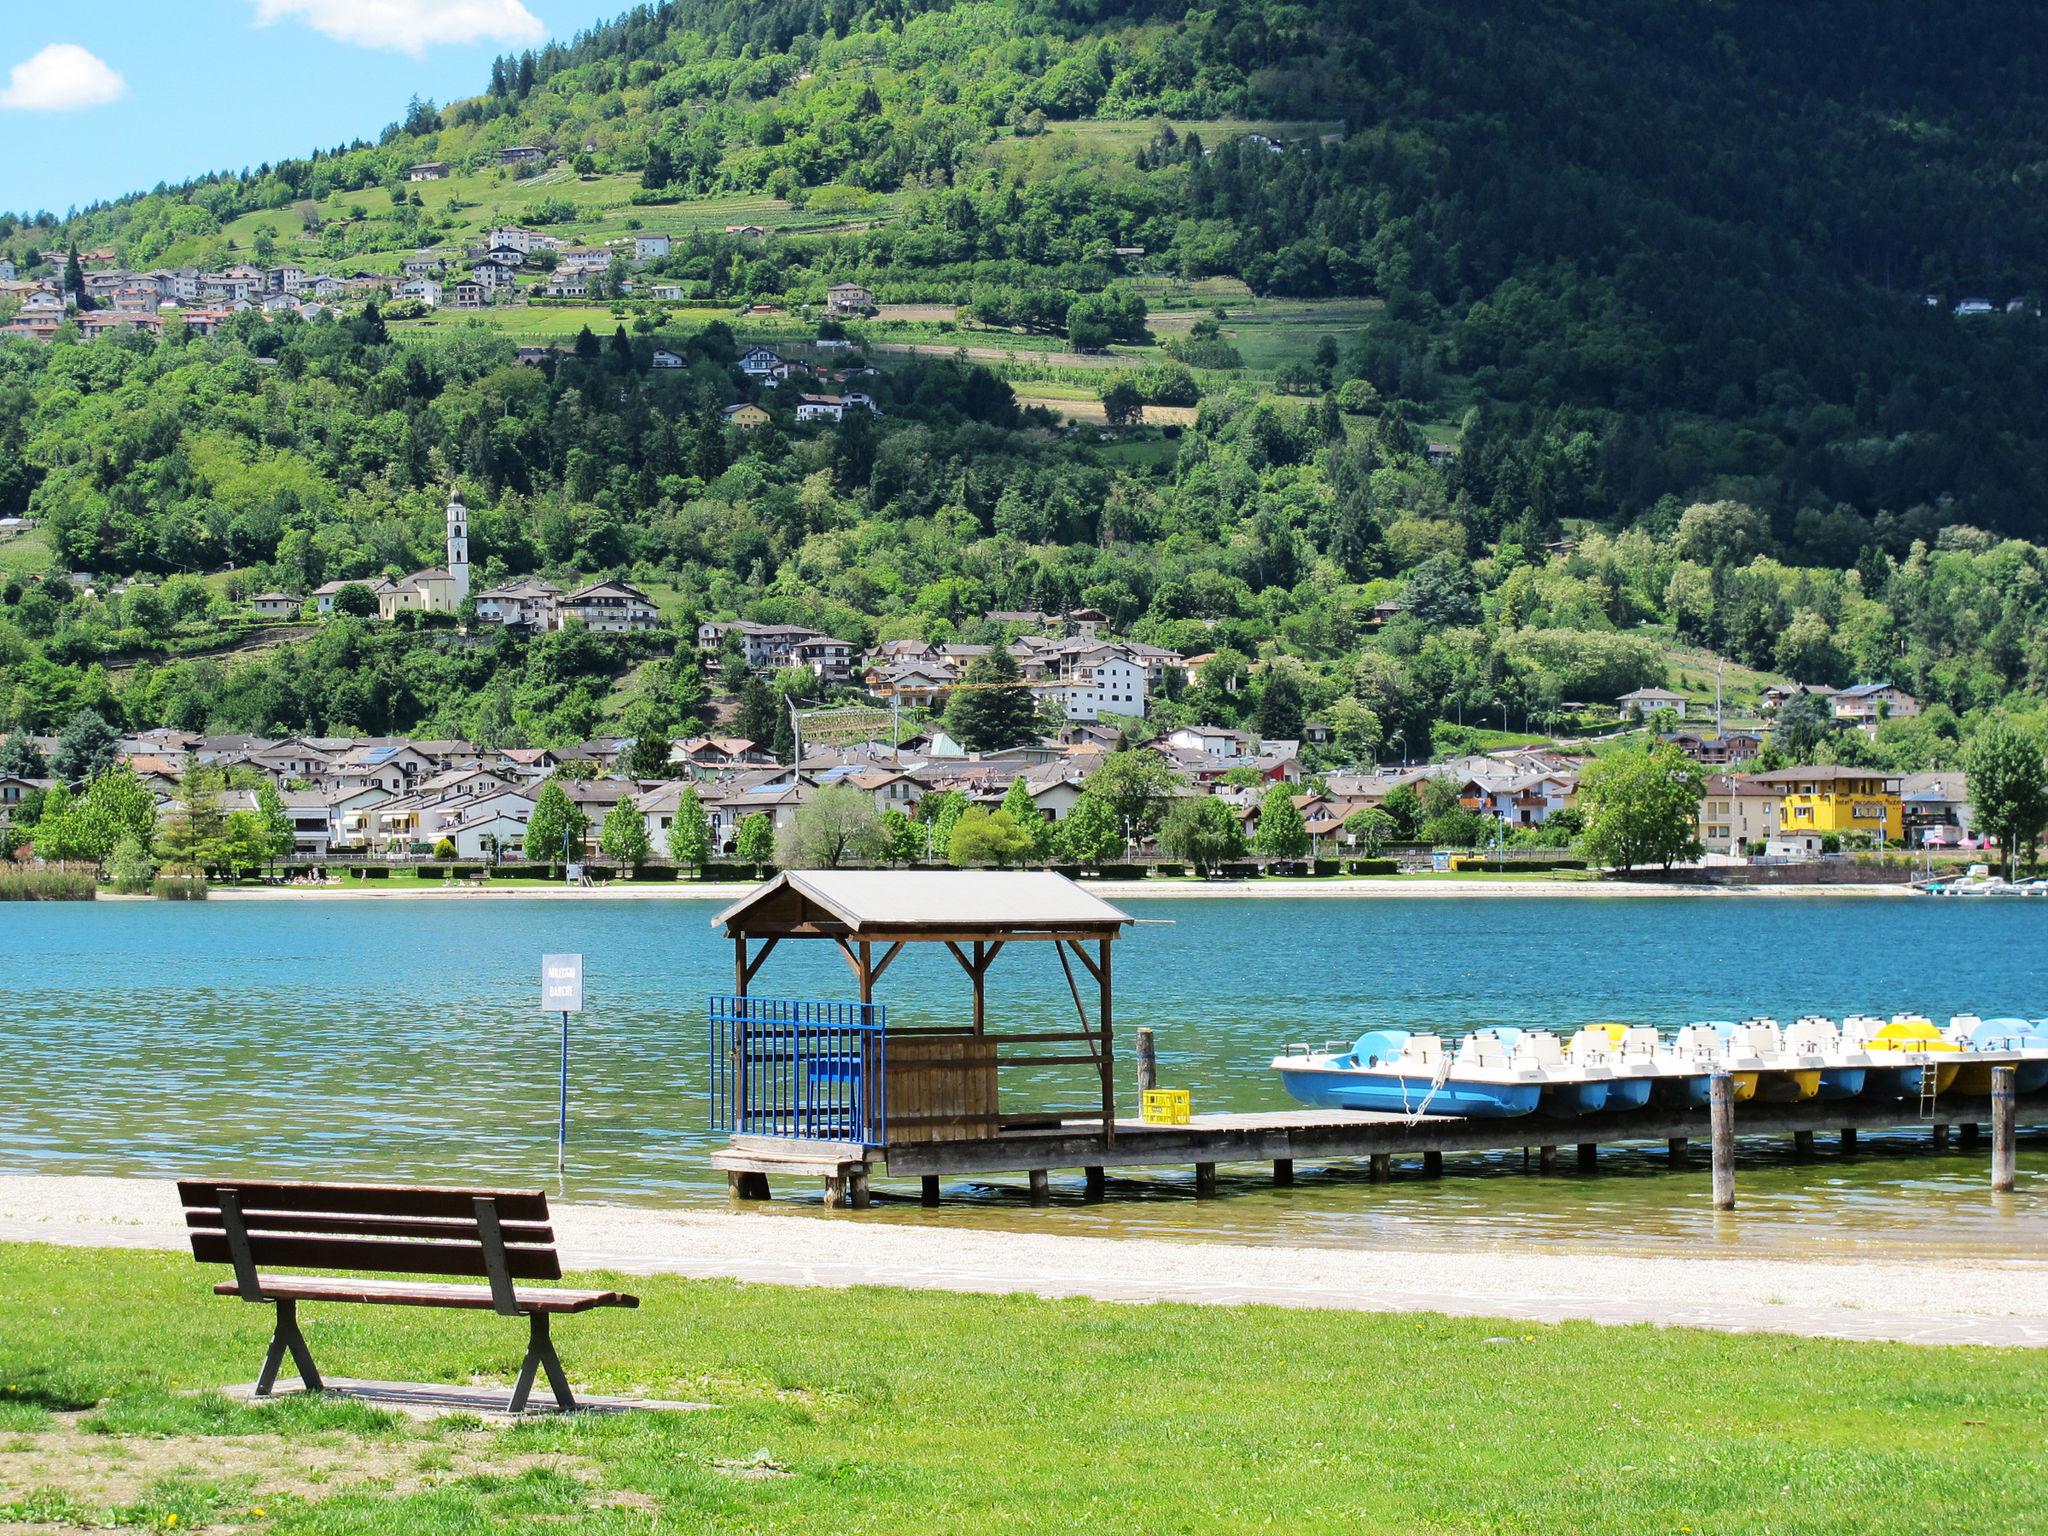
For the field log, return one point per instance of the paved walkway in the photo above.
(1946, 1303)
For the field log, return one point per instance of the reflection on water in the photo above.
(401, 1040)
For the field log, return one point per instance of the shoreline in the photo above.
(1949, 1302)
(1362, 888)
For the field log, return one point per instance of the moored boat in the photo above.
(2021, 1038)
(1394, 1071)
(1695, 1053)
(1842, 1072)
(1782, 1078)
(1909, 1058)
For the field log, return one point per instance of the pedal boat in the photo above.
(1908, 1056)
(1782, 1077)
(1629, 1052)
(1689, 1061)
(2023, 1038)
(1842, 1072)
(1568, 1089)
(1396, 1072)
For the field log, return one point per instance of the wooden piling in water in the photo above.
(928, 1189)
(1094, 1182)
(1848, 1138)
(1969, 1133)
(1675, 1147)
(1205, 1178)
(1283, 1172)
(1589, 1156)
(1433, 1165)
(1546, 1159)
(1041, 1185)
(748, 1186)
(1802, 1143)
(1148, 1062)
(1940, 1138)
(2004, 1164)
(1382, 1167)
(1721, 1090)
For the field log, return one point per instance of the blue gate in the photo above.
(799, 1069)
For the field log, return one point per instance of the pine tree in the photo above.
(992, 712)
(758, 712)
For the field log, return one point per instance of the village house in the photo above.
(767, 646)
(1935, 807)
(650, 247)
(1738, 816)
(1868, 704)
(1716, 751)
(848, 299)
(521, 154)
(760, 363)
(663, 358)
(746, 416)
(1642, 703)
(610, 607)
(1833, 801)
(527, 603)
(819, 408)
(275, 605)
(428, 170)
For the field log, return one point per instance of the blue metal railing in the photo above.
(799, 1069)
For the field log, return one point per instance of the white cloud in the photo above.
(62, 78)
(409, 26)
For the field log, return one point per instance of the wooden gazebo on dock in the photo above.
(814, 1086)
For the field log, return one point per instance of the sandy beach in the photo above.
(1164, 890)
(1944, 1302)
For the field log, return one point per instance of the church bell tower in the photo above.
(458, 545)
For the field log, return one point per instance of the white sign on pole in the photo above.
(561, 983)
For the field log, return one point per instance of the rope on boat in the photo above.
(1441, 1076)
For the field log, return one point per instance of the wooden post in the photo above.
(857, 1186)
(1148, 1062)
(1969, 1133)
(1676, 1148)
(1382, 1167)
(1108, 1050)
(835, 1192)
(2003, 1163)
(1205, 1178)
(928, 1189)
(1589, 1156)
(1848, 1142)
(1041, 1186)
(1095, 1184)
(1721, 1088)
(1283, 1173)
(1546, 1159)
(1940, 1138)
(1802, 1143)
(748, 1186)
(1433, 1164)
(976, 973)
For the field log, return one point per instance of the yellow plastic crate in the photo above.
(1165, 1106)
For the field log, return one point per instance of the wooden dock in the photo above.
(1286, 1137)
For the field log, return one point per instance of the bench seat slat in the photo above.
(387, 1256)
(410, 1293)
(370, 1226)
(366, 1199)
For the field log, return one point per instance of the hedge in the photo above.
(1372, 866)
(1476, 861)
(737, 871)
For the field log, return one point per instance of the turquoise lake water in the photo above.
(393, 1038)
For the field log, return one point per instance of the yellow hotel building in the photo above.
(1837, 800)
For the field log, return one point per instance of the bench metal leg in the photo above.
(540, 1355)
(287, 1337)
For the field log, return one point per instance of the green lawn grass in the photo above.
(25, 554)
(889, 1411)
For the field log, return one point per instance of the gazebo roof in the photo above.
(921, 904)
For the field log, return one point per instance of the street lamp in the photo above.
(1402, 737)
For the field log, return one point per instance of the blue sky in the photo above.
(102, 97)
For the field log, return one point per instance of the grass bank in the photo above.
(892, 1411)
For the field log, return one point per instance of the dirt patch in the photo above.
(757, 1468)
(918, 314)
(103, 1471)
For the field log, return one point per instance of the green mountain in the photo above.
(1678, 284)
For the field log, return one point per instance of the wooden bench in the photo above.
(500, 1235)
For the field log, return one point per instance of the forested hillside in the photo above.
(1678, 283)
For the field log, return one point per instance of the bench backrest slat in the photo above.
(367, 1199)
(377, 1255)
(369, 1226)
(391, 1229)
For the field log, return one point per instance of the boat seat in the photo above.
(1542, 1048)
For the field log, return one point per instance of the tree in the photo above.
(2008, 788)
(85, 749)
(193, 834)
(1025, 813)
(244, 841)
(623, 837)
(985, 837)
(1088, 330)
(760, 712)
(1134, 785)
(129, 867)
(1282, 832)
(1404, 807)
(1442, 593)
(1805, 725)
(20, 758)
(1642, 808)
(555, 816)
(648, 757)
(756, 841)
(991, 711)
(90, 826)
(1279, 713)
(356, 601)
(1122, 404)
(905, 837)
(1371, 830)
(833, 827)
(444, 848)
(1203, 831)
(661, 169)
(280, 835)
(1091, 834)
(689, 831)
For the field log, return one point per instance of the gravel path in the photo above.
(1958, 1302)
